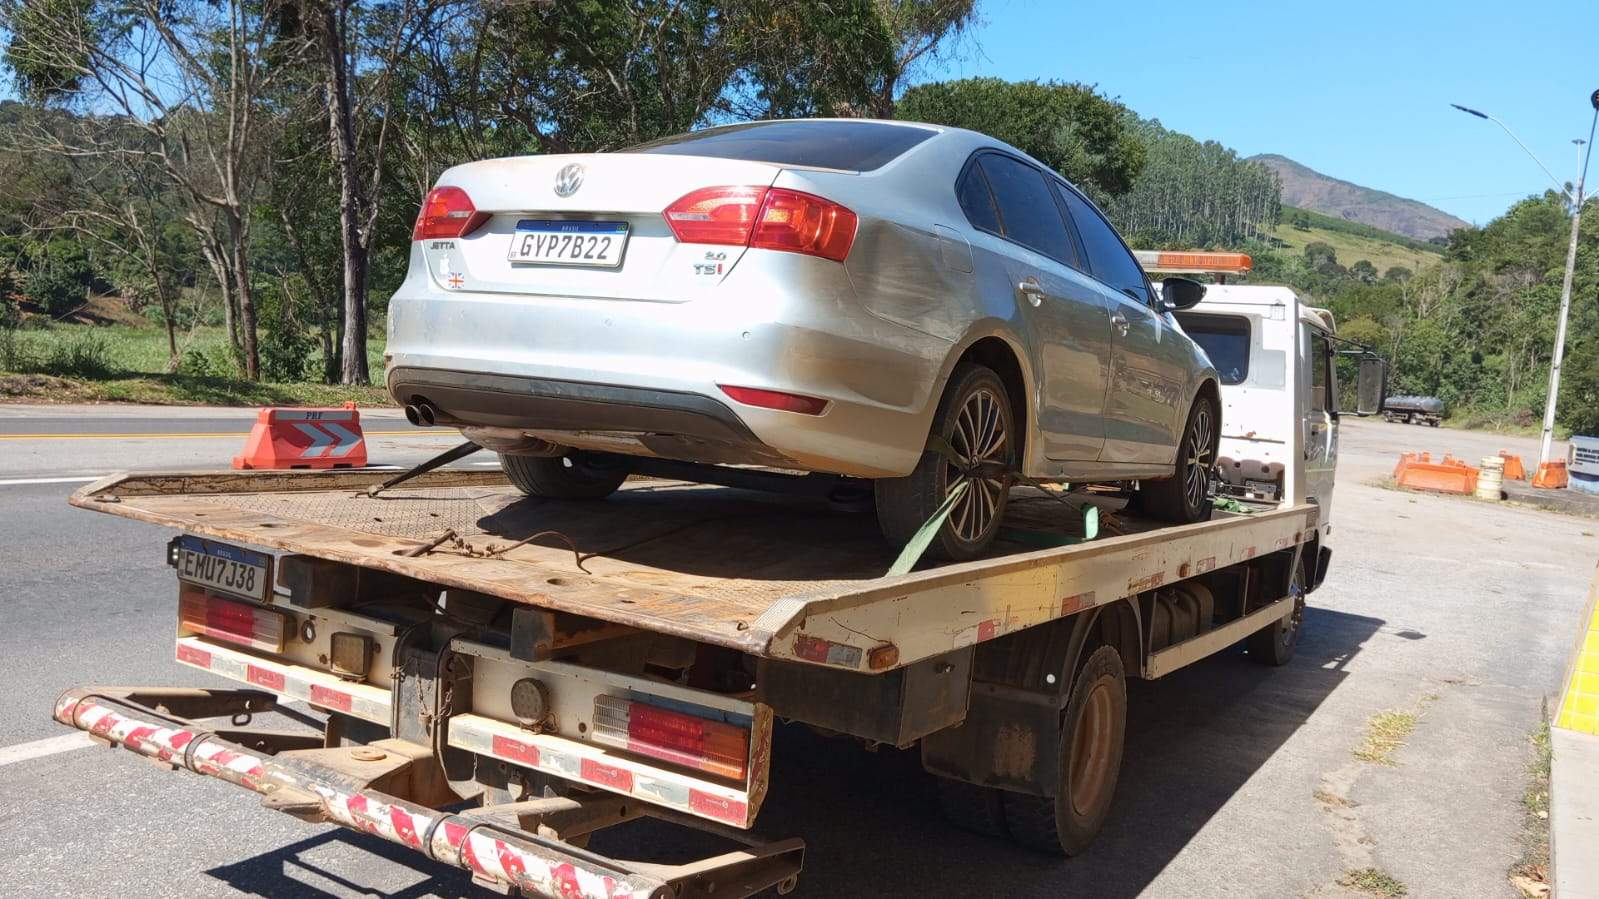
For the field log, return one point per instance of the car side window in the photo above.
(1107, 256)
(1030, 217)
(977, 201)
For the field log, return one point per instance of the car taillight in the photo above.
(447, 212)
(764, 218)
(224, 619)
(714, 747)
(776, 399)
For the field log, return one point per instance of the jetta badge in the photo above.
(568, 179)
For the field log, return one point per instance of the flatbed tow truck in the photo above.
(496, 678)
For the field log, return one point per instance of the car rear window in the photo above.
(1225, 339)
(851, 146)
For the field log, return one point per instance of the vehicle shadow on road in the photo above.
(871, 819)
(873, 828)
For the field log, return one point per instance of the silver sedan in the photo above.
(923, 306)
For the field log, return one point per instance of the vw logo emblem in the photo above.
(568, 180)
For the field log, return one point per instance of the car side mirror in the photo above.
(1371, 387)
(1180, 293)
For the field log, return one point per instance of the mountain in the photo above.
(1307, 188)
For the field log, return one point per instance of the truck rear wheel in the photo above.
(1275, 643)
(576, 475)
(1090, 761)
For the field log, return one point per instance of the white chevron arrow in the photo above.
(320, 440)
(346, 438)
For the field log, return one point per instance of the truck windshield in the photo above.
(1225, 339)
(850, 146)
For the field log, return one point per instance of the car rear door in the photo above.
(1034, 264)
(1146, 406)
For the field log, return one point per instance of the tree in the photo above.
(190, 74)
(1364, 271)
(921, 31)
(361, 109)
(1318, 254)
(1069, 127)
(1397, 274)
(1194, 194)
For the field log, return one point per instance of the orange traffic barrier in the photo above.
(1455, 477)
(1514, 470)
(1550, 476)
(305, 438)
(1406, 459)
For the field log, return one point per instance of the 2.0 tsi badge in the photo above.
(568, 179)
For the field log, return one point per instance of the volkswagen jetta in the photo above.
(923, 306)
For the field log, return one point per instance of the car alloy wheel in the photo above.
(981, 444)
(1199, 457)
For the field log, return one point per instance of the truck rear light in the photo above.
(714, 747)
(764, 218)
(776, 399)
(446, 213)
(225, 619)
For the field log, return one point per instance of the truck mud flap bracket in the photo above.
(312, 784)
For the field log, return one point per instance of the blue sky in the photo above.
(1356, 90)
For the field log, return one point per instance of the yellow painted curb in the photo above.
(1579, 701)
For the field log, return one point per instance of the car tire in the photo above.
(576, 475)
(975, 409)
(1184, 498)
(1092, 734)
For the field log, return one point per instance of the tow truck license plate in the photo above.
(547, 242)
(224, 568)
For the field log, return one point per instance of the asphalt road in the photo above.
(1238, 780)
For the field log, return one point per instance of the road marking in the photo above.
(20, 481)
(38, 749)
(211, 436)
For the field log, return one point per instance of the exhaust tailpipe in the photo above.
(412, 415)
(428, 414)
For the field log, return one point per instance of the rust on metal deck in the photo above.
(730, 567)
(701, 562)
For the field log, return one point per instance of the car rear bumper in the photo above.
(651, 372)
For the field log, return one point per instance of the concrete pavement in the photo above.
(1238, 780)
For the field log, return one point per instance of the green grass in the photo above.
(1385, 734)
(133, 368)
(1381, 251)
(1374, 882)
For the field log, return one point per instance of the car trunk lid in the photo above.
(606, 193)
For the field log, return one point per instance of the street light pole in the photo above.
(1575, 198)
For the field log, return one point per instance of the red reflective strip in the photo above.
(265, 677)
(607, 775)
(331, 699)
(719, 807)
(812, 649)
(515, 750)
(987, 629)
(194, 656)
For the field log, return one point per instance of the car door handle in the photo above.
(1119, 322)
(1031, 289)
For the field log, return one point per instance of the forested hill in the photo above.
(1307, 188)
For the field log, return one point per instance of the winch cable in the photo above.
(445, 458)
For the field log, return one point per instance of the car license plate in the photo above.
(224, 568)
(546, 242)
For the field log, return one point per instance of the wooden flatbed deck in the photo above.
(769, 575)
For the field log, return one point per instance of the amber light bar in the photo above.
(1170, 261)
(226, 619)
(714, 747)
